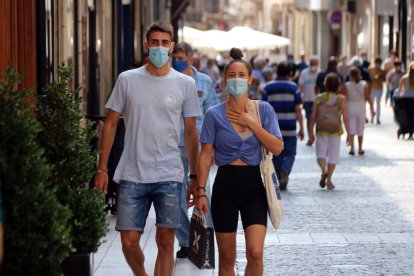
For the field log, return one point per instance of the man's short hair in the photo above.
(159, 26)
(332, 82)
(185, 48)
(284, 69)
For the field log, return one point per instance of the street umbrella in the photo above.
(189, 35)
(241, 37)
(215, 40)
(250, 39)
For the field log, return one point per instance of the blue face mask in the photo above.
(158, 56)
(237, 87)
(179, 65)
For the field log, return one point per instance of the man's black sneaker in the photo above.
(182, 253)
(283, 182)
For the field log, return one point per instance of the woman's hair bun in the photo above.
(236, 53)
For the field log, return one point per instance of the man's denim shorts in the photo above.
(135, 202)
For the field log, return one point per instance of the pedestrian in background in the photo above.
(328, 111)
(294, 69)
(231, 130)
(285, 98)
(406, 87)
(212, 70)
(343, 67)
(331, 68)
(150, 169)
(406, 90)
(182, 62)
(357, 94)
(307, 82)
(302, 65)
(377, 80)
(389, 62)
(259, 63)
(393, 81)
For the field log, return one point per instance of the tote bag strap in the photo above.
(256, 112)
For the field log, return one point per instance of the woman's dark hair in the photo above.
(236, 54)
(331, 82)
(355, 74)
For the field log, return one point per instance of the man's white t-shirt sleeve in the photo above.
(116, 101)
(191, 106)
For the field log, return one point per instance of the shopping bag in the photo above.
(275, 208)
(201, 252)
(274, 201)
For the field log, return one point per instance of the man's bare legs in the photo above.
(164, 265)
(135, 257)
(133, 252)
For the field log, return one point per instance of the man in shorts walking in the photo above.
(152, 98)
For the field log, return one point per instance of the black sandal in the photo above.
(322, 182)
(351, 152)
(361, 152)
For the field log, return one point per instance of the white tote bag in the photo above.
(274, 201)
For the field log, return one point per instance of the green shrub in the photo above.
(64, 139)
(37, 232)
(67, 145)
(89, 225)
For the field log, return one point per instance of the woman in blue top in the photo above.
(231, 130)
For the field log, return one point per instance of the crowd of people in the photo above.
(361, 84)
(203, 110)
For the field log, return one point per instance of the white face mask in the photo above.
(237, 87)
(159, 56)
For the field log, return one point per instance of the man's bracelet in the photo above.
(198, 188)
(193, 176)
(101, 171)
(201, 196)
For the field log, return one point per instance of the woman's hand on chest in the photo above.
(240, 118)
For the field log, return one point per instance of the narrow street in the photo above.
(363, 227)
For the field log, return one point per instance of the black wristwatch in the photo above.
(193, 176)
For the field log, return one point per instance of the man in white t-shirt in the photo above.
(307, 82)
(152, 98)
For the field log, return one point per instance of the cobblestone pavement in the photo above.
(363, 227)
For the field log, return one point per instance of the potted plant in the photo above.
(67, 144)
(37, 233)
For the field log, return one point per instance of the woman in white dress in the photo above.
(357, 94)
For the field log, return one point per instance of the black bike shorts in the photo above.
(238, 189)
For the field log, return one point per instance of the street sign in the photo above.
(335, 17)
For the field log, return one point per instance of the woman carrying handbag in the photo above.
(231, 131)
